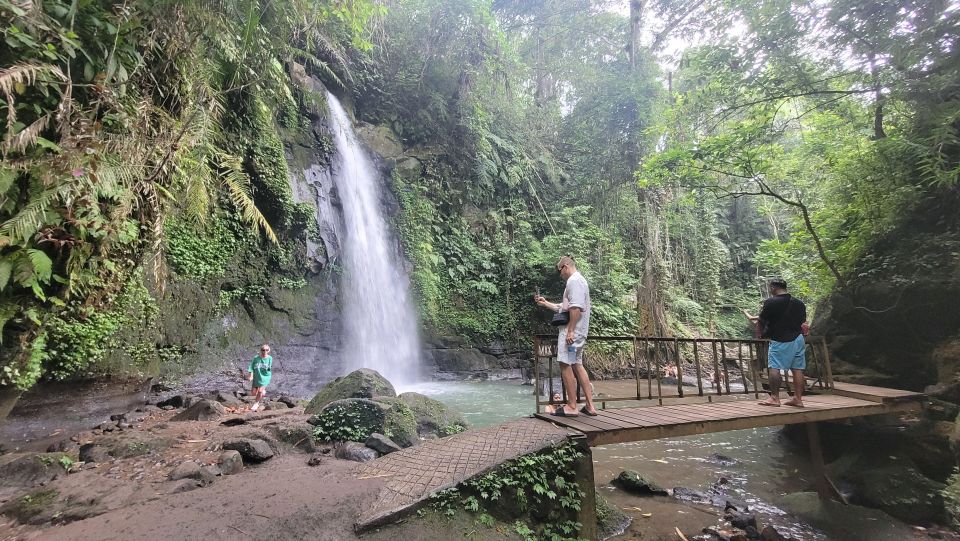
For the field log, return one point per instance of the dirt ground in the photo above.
(131, 497)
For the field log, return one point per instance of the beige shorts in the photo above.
(567, 357)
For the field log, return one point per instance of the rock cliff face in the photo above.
(898, 320)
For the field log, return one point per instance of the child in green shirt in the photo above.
(260, 370)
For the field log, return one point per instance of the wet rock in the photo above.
(363, 383)
(230, 462)
(722, 460)
(432, 416)
(741, 520)
(354, 451)
(688, 495)
(381, 444)
(91, 452)
(203, 410)
(635, 483)
(751, 532)
(611, 521)
(769, 533)
(252, 450)
(175, 401)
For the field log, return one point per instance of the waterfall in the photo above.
(380, 322)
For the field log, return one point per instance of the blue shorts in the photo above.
(788, 355)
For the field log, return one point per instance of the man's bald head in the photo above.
(566, 266)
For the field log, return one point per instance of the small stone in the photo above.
(230, 462)
(315, 461)
(176, 401)
(58, 447)
(167, 408)
(203, 410)
(769, 533)
(252, 450)
(92, 452)
(186, 470)
(381, 444)
(356, 452)
(107, 426)
(185, 485)
(118, 416)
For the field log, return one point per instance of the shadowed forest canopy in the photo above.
(681, 150)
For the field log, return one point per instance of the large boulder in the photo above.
(381, 444)
(433, 417)
(634, 483)
(31, 469)
(354, 419)
(901, 491)
(363, 383)
(202, 410)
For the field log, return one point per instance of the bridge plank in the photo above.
(651, 422)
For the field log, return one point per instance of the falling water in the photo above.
(379, 319)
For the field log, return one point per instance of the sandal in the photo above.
(585, 411)
(561, 413)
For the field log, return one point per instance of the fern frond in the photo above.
(236, 181)
(27, 136)
(328, 46)
(316, 64)
(30, 218)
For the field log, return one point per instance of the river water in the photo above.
(759, 467)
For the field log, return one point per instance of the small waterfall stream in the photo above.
(380, 322)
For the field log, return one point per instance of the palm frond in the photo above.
(236, 182)
(328, 46)
(26, 74)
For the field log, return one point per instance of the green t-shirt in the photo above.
(262, 369)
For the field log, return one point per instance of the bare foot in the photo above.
(770, 402)
(794, 402)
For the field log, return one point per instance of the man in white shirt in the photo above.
(572, 337)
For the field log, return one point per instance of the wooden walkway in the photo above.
(625, 424)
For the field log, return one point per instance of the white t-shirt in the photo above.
(576, 295)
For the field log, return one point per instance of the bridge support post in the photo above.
(825, 487)
(584, 475)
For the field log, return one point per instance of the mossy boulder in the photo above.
(433, 418)
(635, 483)
(355, 419)
(363, 383)
(902, 491)
(611, 520)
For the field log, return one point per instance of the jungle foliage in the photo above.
(136, 132)
(682, 151)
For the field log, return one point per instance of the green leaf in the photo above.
(6, 268)
(42, 265)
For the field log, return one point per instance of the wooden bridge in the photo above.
(686, 386)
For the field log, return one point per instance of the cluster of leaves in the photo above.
(348, 422)
(541, 488)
